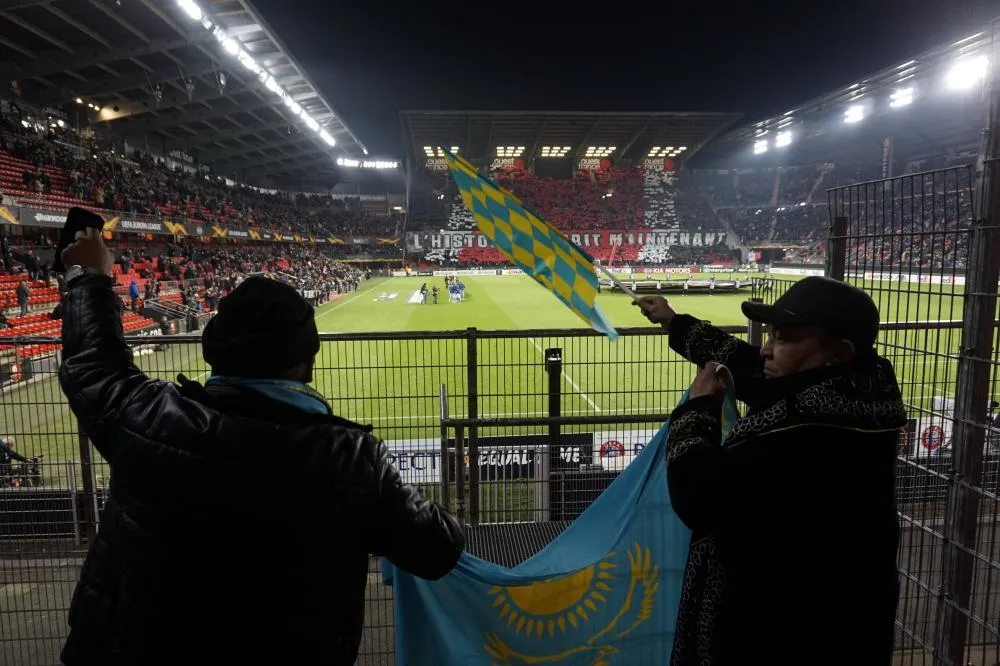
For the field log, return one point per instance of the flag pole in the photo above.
(618, 283)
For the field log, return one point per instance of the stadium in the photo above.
(210, 154)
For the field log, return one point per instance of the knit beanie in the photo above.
(262, 329)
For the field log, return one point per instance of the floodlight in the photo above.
(901, 97)
(760, 146)
(783, 139)
(854, 114)
(190, 8)
(967, 72)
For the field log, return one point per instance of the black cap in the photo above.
(837, 307)
(263, 328)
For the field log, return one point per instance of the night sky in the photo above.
(371, 59)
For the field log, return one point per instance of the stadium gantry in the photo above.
(485, 136)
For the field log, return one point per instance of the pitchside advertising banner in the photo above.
(499, 458)
(145, 224)
(458, 240)
(515, 457)
(929, 436)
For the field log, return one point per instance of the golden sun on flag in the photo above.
(556, 603)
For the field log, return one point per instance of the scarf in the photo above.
(287, 391)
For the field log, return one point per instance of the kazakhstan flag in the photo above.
(605, 591)
(535, 246)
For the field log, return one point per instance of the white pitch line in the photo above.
(576, 387)
(359, 293)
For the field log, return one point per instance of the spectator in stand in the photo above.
(23, 294)
(8, 454)
(5, 255)
(179, 573)
(133, 294)
(760, 505)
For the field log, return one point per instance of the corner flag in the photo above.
(535, 246)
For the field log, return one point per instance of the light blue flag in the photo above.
(605, 591)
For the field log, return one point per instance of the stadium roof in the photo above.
(930, 105)
(482, 135)
(151, 69)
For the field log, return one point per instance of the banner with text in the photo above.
(148, 224)
(499, 458)
(417, 241)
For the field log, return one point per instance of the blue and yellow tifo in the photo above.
(535, 246)
(606, 591)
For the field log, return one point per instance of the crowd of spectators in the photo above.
(207, 271)
(59, 167)
(775, 205)
(605, 199)
(916, 221)
(192, 273)
(617, 198)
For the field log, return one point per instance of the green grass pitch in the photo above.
(394, 384)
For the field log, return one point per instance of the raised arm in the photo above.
(701, 343)
(97, 373)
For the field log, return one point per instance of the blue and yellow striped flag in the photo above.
(535, 246)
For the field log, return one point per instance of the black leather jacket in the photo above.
(238, 529)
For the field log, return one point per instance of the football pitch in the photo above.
(376, 371)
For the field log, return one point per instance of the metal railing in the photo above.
(923, 247)
(391, 380)
(542, 421)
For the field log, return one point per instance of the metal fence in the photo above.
(918, 246)
(517, 488)
(393, 381)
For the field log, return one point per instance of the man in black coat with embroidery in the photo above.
(793, 551)
(241, 514)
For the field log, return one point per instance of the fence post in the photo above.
(74, 502)
(543, 465)
(460, 473)
(972, 395)
(755, 330)
(836, 249)
(472, 380)
(444, 462)
(89, 503)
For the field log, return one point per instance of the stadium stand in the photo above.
(55, 168)
(174, 280)
(627, 198)
(609, 199)
(788, 205)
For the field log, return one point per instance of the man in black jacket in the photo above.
(793, 551)
(241, 514)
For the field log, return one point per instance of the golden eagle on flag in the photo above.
(535, 246)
